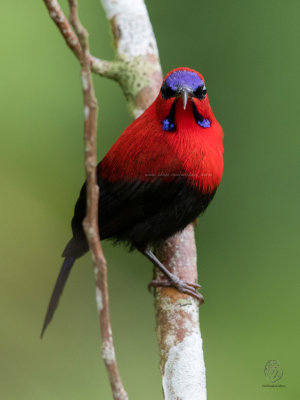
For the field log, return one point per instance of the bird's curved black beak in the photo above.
(185, 93)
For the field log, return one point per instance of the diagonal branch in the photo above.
(90, 222)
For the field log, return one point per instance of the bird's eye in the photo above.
(167, 92)
(200, 92)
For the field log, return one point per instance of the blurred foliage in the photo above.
(248, 240)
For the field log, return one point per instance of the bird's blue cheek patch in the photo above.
(199, 119)
(168, 125)
(205, 123)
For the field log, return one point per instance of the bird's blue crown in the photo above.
(184, 78)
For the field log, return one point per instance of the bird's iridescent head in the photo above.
(183, 82)
(183, 89)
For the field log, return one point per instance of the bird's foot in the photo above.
(181, 286)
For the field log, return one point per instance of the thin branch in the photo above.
(90, 222)
(100, 67)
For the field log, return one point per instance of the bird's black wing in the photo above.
(139, 212)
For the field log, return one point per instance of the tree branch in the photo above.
(139, 71)
(177, 320)
(90, 222)
(177, 323)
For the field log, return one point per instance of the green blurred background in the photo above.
(248, 240)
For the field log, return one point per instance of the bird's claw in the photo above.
(183, 287)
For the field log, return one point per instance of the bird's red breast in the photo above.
(146, 152)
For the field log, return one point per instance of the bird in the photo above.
(158, 177)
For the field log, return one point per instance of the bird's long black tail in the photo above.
(58, 289)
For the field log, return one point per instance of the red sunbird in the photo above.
(158, 177)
